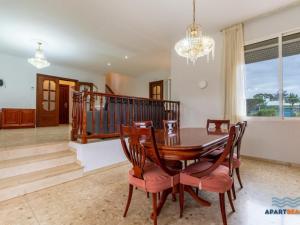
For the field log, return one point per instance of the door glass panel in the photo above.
(46, 85)
(52, 85)
(45, 95)
(158, 90)
(49, 95)
(154, 90)
(45, 106)
(52, 96)
(52, 106)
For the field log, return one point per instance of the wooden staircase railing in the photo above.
(99, 115)
(108, 90)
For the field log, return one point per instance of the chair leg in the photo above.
(233, 191)
(181, 198)
(173, 197)
(158, 195)
(230, 200)
(128, 200)
(154, 204)
(237, 170)
(147, 194)
(222, 206)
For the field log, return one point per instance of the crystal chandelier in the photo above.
(39, 60)
(195, 44)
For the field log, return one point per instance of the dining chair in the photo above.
(238, 148)
(236, 156)
(218, 125)
(212, 176)
(170, 126)
(172, 164)
(148, 175)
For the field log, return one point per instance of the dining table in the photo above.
(188, 144)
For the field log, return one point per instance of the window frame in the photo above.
(279, 77)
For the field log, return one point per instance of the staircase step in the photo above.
(22, 184)
(14, 167)
(32, 150)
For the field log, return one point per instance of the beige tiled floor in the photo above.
(33, 136)
(100, 199)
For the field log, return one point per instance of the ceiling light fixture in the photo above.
(126, 57)
(39, 60)
(195, 44)
(108, 64)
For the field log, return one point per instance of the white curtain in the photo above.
(233, 64)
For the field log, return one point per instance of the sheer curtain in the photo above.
(233, 66)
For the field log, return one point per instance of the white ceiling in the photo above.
(88, 34)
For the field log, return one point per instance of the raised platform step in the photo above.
(15, 167)
(32, 150)
(22, 184)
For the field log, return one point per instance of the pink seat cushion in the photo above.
(217, 181)
(155, 179)
(236, 162)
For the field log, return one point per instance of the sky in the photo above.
(262, 77)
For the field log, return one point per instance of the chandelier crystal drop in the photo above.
(195, 44)
(39, 60)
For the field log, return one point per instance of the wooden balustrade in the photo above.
(99, 115)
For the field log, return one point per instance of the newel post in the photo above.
(84, 121)
(178, 114)
(75, 116)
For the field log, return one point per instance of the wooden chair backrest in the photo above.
(227, 153)
(242, 128)
(219, 125)
(141, 146)
(170, 126)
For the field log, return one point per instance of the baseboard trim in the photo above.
(271, 161)
(106, 168)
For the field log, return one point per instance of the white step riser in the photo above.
(36, 166)
(32, 151)
(20, 190)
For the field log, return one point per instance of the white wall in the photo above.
(91, 155)
(20, 80)
(198, 104)
(135, 85)
(285, 20)
(275, 140)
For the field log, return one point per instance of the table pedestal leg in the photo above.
(192, 193)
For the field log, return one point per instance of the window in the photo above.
(273, 77)
(291, 74)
